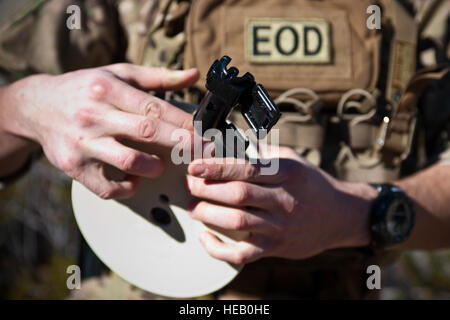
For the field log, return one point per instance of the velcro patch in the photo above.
(404, 64)
(287, 41)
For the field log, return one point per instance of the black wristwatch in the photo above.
(391, 216)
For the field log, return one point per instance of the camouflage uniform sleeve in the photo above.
(35, 37)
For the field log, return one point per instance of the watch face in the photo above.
(399, 219)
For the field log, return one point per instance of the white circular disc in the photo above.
(167, 260)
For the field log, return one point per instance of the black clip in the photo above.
(226, 91)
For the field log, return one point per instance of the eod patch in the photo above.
(282, 40)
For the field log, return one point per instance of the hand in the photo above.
(297, 213)
(79, 119)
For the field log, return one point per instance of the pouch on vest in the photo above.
(324, 46)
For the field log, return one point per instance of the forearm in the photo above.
(430, 192)
(14, 150)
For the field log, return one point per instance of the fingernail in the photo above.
(189, 183)
(176, 77)
(198, 169)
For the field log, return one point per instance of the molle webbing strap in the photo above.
(401, 130)
(361, 135)
(384, 165)
(305, 128)
(292, 132)
(402, 34)
(303, 135)
(358, 130)
(374, 150)
(363, 167)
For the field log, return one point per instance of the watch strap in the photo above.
(380, 235)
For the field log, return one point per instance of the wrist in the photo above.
(15, 147)
(12, 98)
(18, 103)
(354, 220)
(3, 106)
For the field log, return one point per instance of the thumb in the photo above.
(152, 78)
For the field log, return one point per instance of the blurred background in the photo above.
(39, 239)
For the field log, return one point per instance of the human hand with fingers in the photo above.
(79, 119)
(296, 213)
